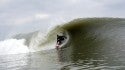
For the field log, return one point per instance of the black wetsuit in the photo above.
(60, 39)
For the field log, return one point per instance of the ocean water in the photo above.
(92, 44)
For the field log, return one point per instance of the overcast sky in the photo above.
(20, 16)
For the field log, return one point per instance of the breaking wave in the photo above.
(32, 42)
(13, 46)
(75, 30)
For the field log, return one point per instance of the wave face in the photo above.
(97, 39)
(81, 32)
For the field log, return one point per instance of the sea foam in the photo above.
(13, 46)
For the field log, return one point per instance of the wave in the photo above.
(32, 42)
(76, 31)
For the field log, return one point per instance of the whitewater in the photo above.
(13, 46)
(32, 42)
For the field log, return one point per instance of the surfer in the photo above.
(60, 39)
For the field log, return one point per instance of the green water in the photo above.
(94, 44)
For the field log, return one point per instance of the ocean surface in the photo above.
(92, 44)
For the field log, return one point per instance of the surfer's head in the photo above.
(60, 39)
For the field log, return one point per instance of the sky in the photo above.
(23, 16)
